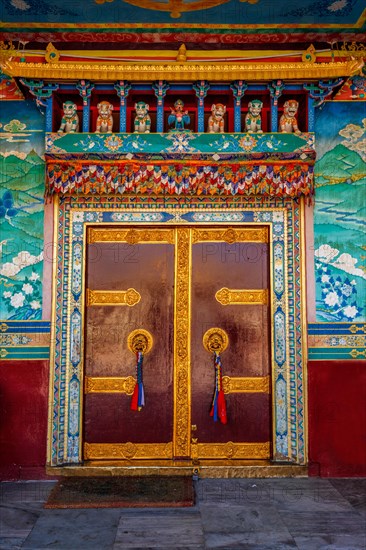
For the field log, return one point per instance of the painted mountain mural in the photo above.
(340, 225)
(21, 215)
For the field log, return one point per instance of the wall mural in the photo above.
(340, 213)
(21, 210)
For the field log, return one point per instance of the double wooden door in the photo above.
(166, 290)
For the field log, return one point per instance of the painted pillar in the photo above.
(201, 88)
(160, 88)
(122, 87)
(85, 89)
(275, 89)
(238, 88)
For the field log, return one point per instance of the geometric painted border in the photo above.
(24, 340)
(337, 341)
(282, 216)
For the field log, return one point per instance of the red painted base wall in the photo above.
(337, 418)
(336, 405)
(23, 419)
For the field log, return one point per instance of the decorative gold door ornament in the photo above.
(215, 340)
(231, 296)
(129, 297)
(140, 342)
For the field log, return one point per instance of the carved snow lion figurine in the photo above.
(288, 121)
(105, 119)
(70, 119)
(142, 120)
(216, 122)
(253, 119)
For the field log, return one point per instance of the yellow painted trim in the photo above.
(181, 72)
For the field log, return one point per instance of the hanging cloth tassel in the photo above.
(218, 409)
(138, 397)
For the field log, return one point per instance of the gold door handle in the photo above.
(140, 341)
(215, 340)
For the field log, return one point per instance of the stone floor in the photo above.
(229, 513)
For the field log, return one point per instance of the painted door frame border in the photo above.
(285, 219)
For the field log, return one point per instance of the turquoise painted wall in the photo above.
(340, 212)
(21, 210)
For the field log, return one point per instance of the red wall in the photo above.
(23, 419)
(336, 404)
(337, 418)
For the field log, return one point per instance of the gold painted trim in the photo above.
(127, 451)
(182, 343)
(215, 340)
(228, 296)
(129, 297)
(110, 384)
(256, 384)
(304, 327)
(231, 235)
(231, 450)
(140, 340)
(181, 72)
(53, 332)
(131, 236)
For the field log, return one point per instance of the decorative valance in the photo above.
(186, 178)
(268, 165)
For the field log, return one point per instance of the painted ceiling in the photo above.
(261, 13)
(223, 23)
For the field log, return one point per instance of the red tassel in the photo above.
(135, 397)
(221, 405)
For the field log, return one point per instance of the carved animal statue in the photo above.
(253, 119)
(216, 122)
(105, 119)
(70, 119)
(142, 120)
(288, 121)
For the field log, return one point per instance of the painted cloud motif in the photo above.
(353, 134)
(345, 262)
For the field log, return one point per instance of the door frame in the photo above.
(285, 220)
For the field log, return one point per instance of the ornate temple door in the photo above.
(163, 289)
(130, 282)
(230, 302)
